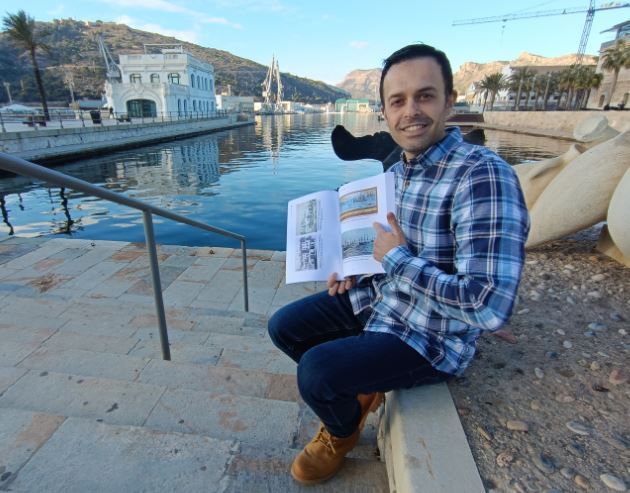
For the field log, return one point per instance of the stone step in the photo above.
(225, 416)
(56, 454)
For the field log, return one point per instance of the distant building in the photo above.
(599, 96)
(171, 82)
(353, 106)
(244, 104)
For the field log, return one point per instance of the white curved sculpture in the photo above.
(618, 218)
(587, 184)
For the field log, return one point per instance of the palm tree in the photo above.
(519, 81)
(613, 60)
(22, 30)
(586, 79)
(551, 86)
(492, 84)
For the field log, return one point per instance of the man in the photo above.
(452, 256)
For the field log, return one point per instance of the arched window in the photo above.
(135, 78)
(155, 78)
(179, 107)
(194, 105)
(601, 101)
(198, 82)
(192, 81)
(185, 107)
(173, 78)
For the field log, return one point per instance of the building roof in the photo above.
(616, 27)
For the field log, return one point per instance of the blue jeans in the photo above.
(337, 359)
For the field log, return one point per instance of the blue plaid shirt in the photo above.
(465, 221)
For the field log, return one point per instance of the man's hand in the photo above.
(386, 240)
(339, 287)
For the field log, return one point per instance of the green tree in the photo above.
(22, 30)
(614, 60)
(520, 81)
(492, 84)
(551, 86)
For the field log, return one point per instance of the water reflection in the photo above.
(239, 180)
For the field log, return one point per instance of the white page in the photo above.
(313, 237)
(363, 202)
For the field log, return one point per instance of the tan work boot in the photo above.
(322, 457)
(369, 404)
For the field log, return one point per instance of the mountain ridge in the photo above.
(74, 51)
(363, 83)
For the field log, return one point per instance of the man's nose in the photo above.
(413, 107)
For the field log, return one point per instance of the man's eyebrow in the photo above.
(420, 90)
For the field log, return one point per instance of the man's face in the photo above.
(415, 105)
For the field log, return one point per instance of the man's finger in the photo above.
(378, 228)
(393, 223)
(332, 280)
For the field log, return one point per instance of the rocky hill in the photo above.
(74, 51)
(364, 83)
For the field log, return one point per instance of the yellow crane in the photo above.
(590, 13)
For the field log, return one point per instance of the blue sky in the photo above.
(325, 39)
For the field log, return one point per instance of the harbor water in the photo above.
(239, 180)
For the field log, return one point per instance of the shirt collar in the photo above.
(434, 153)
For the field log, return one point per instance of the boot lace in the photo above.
(325, 438)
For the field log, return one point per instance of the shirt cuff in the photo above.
(396, 257)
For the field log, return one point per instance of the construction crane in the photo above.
(590, 13)
(112, 70)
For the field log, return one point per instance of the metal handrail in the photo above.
(21, 167)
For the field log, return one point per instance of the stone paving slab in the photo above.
(266, 470)
(67, 339)
(24, 334)
(272, 361)
(180, 352)
(208, 378)
(85, 363)
(112, 401)
(22, 433)
(86, 456)
(20, 308)
(258, 342)
(11, 352)
(247, 419)
(8, 376)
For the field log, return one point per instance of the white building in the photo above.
(170, 82)
(235, 103)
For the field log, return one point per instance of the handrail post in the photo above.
(245, 289)
(157, 285)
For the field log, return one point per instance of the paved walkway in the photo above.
(87, 403)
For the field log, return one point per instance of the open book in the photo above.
(332, 231)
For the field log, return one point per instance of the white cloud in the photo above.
(359, 45)
(221, 20)
(164, 6)
(255, 5)
(190, 36)
(160, 5)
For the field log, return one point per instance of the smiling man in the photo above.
(452, 255)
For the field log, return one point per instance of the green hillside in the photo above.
(74, 50)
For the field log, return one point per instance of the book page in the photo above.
(313, 237)
(361, 203)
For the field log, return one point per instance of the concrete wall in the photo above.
(51, 144)
(555, 122)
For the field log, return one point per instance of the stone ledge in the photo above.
(423, 443)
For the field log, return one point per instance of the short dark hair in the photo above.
(419, 50)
